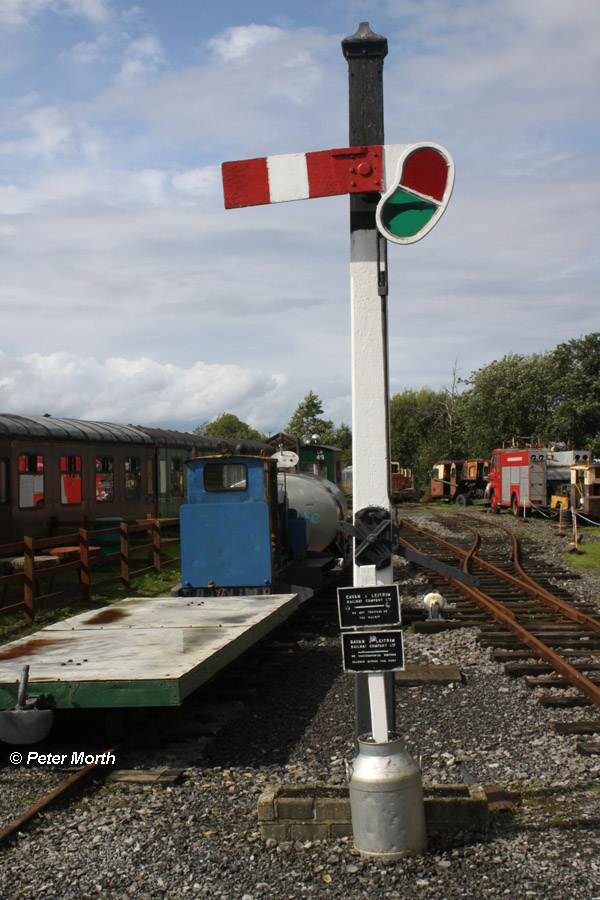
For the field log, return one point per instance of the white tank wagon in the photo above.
(319, 502)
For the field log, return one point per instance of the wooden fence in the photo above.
(36, 562)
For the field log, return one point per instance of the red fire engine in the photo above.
(522, 478)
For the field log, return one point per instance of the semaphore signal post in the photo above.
(397, 193)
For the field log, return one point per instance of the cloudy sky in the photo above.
(129, 294)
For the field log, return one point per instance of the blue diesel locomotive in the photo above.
(249, 529)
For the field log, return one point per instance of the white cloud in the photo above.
(143, 56)
(50, 132)
(137, 390)
(20, 12)
(86, 52)
(95, 10)
(221, 100)
(198, 182)
(242, 40)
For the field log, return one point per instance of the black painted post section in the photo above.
(365, 52)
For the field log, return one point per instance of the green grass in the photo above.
(150, 585)
(588, 557)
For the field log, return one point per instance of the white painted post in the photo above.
(370, 438)
(378, 701)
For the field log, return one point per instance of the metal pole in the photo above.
(365, 52)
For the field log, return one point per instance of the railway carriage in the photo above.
(64, 471)
(58, 472)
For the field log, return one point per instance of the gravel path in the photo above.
(200, 837)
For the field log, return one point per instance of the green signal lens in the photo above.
(404, 215)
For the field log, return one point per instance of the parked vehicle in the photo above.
(444, 479)
(522, 478)
(249, 529)
(402, 483)
(585, 489)
(463, 481)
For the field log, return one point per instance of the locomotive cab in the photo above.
(229, 527)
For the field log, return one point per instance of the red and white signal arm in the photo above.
(415, 181)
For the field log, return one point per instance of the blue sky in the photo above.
(129, 294)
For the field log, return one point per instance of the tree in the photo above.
(227, 425)
(509, 398)
(417, 429)
(576, 390)
(307, 425)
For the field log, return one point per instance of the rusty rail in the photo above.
(506, 617)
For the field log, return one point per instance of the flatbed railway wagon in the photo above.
(528, 477)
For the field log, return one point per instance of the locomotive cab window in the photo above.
(133, 478)
(105, 479)
(31, 481)
(70, 480)
(3, 482)
(225, 477)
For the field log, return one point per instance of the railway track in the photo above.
(536, 629)
(181, 734)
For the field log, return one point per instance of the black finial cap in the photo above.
(364, 43)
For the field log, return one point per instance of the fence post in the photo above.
(124, 554)
(84, 565)
(156, 541)
(28, 578)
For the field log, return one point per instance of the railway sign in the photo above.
(373, 605)
(415, 181)
(373, 651)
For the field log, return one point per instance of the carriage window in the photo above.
(150, 474)
(176, 478)
(162, 477)
(3, 481)
(70, 480)
(31, 481)
(133, 478)
(225, 477)
(105, 479)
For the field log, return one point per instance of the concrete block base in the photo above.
(290, 812)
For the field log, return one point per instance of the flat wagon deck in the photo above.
(138, 652)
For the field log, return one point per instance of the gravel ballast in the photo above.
(200, 837)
